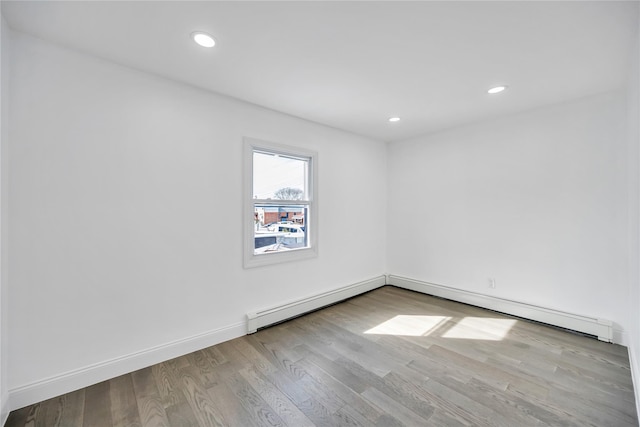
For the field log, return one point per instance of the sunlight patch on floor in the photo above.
(471, 328)
(413, 326)
(481, 328)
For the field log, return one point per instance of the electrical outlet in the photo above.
(492, 283)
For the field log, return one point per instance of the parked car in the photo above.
(286, 234)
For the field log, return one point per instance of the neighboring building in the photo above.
(269, 215)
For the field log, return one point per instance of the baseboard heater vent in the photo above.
(267, 317)
(603, 329)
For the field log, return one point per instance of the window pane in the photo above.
(279, 228)
(279, 177)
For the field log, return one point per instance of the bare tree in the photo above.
(288, 193)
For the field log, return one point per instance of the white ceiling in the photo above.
(351, 65)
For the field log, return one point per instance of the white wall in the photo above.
(125, 206)
(537, 201)
(633, 114)
(4, 119)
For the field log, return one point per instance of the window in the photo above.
(280, 203)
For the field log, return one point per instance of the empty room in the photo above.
(319, 213)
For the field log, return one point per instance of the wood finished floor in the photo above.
(424, 362)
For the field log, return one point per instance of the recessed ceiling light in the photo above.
(203, 39)
(394, 119)
(497, 89)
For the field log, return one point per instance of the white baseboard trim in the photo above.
(4, 410)
(269, 316)
(28, 394)
(601, 328)
(635, 375)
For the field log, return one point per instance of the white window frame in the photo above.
(311, 222)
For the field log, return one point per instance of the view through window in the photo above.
(281, 201)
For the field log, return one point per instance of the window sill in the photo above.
(252, 261)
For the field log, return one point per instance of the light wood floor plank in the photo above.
(164, 375)
(124, 408)
(252, 402)
(150, 408)
(206, 412)
(181, 415)
(231, 408)
(283, 407)
(97, 406)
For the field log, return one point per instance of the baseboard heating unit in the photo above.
(601, 328)
(273, 315)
